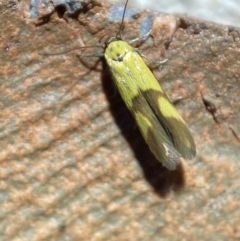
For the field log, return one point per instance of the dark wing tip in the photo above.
(172, 160)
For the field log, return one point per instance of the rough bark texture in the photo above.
(73, 164)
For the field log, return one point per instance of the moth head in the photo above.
(117, 50)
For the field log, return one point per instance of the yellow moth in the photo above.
(162, 127)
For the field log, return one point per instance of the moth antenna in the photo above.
(119, 33)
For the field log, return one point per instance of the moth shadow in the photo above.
(161, 179)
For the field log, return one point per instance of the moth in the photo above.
(160, 124)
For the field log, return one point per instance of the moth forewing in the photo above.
(162, 127)
(172, 122)
(154, 133)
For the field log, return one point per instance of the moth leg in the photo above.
(143, 38)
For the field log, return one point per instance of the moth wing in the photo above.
(173, 124)
(166, 114)
(154, 134)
